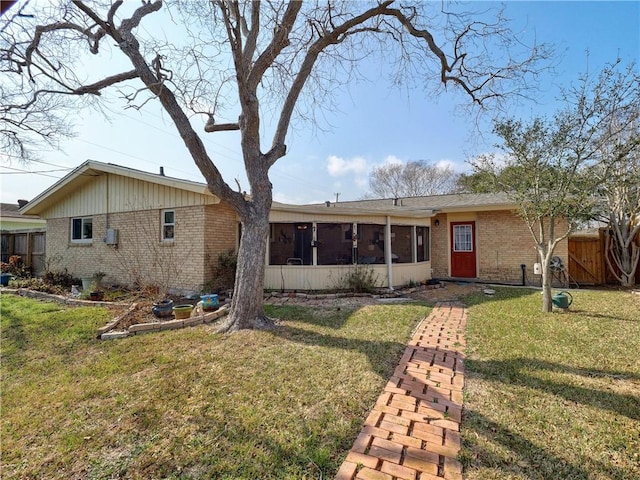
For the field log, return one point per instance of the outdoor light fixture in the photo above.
(437, 223)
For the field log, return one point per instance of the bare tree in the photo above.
(412, 179)
(247, 59)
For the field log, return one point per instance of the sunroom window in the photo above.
(370, 243)
(335, 243)
(290, 244)
(422, 244)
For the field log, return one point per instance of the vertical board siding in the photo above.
(109, 193)
(586, 260)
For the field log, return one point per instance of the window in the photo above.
(370, 243)
(335, 242)
(82, 229)
(168, 224)
(422, 244)
(290, 244)
(401, 244)
(462, 241)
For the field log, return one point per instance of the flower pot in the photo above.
(4, 279)
(182, 311)
(96, 296)
(209, 302)
(163, 309)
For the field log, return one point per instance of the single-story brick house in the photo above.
(148, 228)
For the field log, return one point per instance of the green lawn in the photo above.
(552, 396)
(190, 404)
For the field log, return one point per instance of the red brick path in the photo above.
(413, 430)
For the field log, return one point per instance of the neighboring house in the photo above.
(22, 235)
(145, 228)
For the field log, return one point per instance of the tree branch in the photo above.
(304, 72)
(279, 41)
(95, 88)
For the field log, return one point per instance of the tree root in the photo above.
(233, 324)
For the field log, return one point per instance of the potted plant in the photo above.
(163, 308)
(4, 279)
(97, 279)
(182, 311)
(96, 294)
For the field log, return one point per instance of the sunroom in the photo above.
(312, 247)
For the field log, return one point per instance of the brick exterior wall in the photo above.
(221, 235)
(439, 247)
(141, 257)
(503, 243)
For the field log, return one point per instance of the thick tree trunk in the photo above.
(247, 304)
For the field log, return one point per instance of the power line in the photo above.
(42, 173)
(18, 171)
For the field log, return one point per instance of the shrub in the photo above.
(37, 284)
(225, 271)
(15, 267)
(62, 279)
(360, 279)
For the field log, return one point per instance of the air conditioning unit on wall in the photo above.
(111, 237)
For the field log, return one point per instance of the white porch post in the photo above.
(387, 253)
(314, 239)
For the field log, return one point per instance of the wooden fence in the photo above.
(29, 245)
(587, 264)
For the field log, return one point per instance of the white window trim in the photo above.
(80, 240)
(163, 224)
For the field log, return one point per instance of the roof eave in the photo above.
(39, 203)
(354, 211)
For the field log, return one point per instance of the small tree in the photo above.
(412, 179)
(549, 168)
(544, 179)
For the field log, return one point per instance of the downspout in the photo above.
(387, 253)
(107, 206)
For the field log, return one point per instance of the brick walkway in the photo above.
(413, 430)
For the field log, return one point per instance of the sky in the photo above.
(376, 123)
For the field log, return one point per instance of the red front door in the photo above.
(463, 249)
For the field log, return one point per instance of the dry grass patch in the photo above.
(552, 395)
(191, 404)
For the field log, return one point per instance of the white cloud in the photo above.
(444, 163)
(338, 166)
(392, 160)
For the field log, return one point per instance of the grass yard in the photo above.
(552, 396)
(190, 404)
